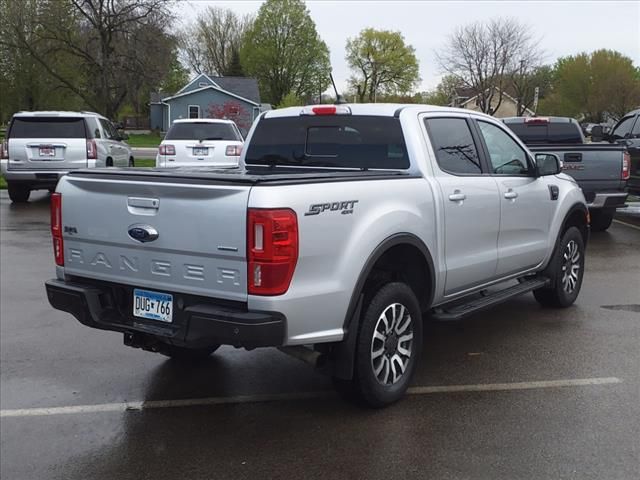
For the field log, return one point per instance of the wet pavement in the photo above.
(261, 414)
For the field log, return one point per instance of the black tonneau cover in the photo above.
(250, 176)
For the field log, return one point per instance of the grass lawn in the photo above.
(140, 162)
(146, 140)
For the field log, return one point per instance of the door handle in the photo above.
(457, 196)
(510, 194)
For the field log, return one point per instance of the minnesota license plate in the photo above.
(153, 305)
(199, 151)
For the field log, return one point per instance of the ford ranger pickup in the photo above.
(343, 228)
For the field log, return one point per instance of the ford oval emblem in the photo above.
(143, 233)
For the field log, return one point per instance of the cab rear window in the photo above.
(202, 131)
(552, 132)
(343, 141)
(38, 127)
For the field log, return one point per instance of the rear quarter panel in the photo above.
(334, 247)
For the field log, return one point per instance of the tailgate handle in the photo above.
(572, 157)
(142, 202)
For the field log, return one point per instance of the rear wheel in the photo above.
(132, 163)
(566, 270)
(184, 353)
(388, 346)
(601, 219)
(109, 162)
(18, 193)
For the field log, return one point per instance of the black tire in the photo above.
(372, 387)
(109, 162)
(565, 286)
(184, 353)
(132, 162)
(601, 220)
(18, 193)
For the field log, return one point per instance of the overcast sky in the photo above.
(563, 27)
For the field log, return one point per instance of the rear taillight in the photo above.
(626, 166)
(536, 120)
(326, 110)
(233, 150)
(272, 250)
(92, 150)
(56, 228)
(167, 150)
(4, 151)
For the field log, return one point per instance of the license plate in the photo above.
(153, 305)
(198, 151)
(47, 151)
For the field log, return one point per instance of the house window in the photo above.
(194, 111)
(203, 84)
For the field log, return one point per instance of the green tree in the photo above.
(284, 52)
(382, 64)
(593, 86)
(445, 93)
(103, 52)
(177, 76)
(290, 100)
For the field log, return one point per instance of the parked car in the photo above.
(601, 170)
(627, 133)
(41, 147)
(344, 225)
(200, 142)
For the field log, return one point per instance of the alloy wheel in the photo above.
(392, 344)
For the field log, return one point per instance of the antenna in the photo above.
(339, 99)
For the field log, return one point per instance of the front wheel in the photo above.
(566, 269)
(389, 345)
(132, 163)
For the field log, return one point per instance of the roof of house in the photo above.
(245, 87)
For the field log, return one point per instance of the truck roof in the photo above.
(374, 109)
(57, 113)
(202, 120)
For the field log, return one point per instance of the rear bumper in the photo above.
(197, 322)
(608, 200)
(44, 178)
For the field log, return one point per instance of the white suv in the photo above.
(41, 147)
(201, 142)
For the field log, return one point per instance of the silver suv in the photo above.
(41, 147)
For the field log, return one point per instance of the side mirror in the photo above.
(122, 135)
(597, 133)
(548, 164)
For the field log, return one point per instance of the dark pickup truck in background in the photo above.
(601, 169)
(627, 133)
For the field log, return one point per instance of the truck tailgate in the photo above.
(594, 166)
(201, 234)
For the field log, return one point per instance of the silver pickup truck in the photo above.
(344, 226)
(601, 169)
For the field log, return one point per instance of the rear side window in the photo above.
(39, 127)
(343, 141)
(623, 128)
(454, 147)
(202, 131)
(552, 132)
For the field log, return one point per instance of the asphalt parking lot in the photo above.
(517, 392)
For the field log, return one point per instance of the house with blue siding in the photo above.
(232, 98)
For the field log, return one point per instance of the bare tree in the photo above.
(487, 57)
(212, 44)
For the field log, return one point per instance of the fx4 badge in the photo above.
(345, 207)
